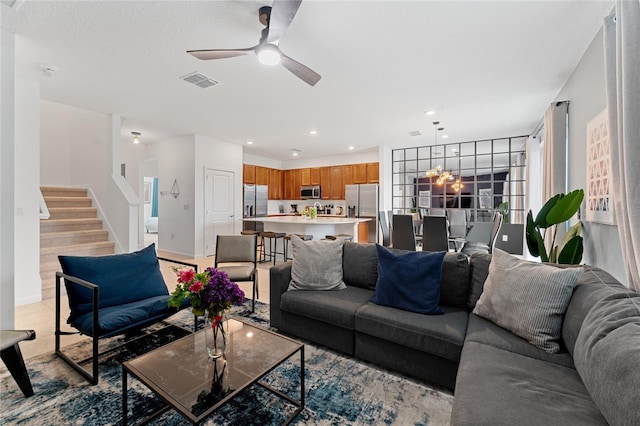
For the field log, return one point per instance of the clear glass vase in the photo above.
(215, 334)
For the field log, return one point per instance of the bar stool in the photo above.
(287, 238)
(259, 245)
(345, 237)
(273, 238)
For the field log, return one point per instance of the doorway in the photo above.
(218, 204)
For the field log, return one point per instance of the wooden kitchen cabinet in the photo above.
(325, 183)
(287, 185)
(337, 185)
(249, 173)
(296, 178)
(262, 175)
(347, 174)
(314, 174)
(275, 184)
(360, 173)
(373, 172)
(305, 176)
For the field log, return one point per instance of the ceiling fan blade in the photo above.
(219, 53)
(282, 13)
(303, 72)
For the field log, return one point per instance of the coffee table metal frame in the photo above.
(170, 402)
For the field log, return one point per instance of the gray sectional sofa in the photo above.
(498, 377)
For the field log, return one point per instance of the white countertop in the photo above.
(306, 221)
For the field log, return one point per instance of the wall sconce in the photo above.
(136, 137)
(175, 192)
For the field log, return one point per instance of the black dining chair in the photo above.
(402, 234)
(435, 236)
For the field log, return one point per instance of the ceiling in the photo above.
(488, 69)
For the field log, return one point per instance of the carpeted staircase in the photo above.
(73, 228)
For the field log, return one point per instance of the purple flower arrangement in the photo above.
(210, 292)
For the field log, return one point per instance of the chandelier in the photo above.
(457, 184)
(438, 172)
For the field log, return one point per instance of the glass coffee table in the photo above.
(183, 376)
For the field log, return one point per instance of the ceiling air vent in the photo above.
(200, 80)
(415, 133)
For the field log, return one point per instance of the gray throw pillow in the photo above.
(529, 299)
(316, 265)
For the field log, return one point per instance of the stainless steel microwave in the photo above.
(309, 192)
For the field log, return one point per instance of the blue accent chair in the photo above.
(109, 296)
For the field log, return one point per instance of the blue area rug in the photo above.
(339, 389)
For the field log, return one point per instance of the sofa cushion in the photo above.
(454, 285)
(409, 280)
(441, 335)
(316, 265)
(119, 318)
(122, 278)
(498, 387)
(593, 285)
(529, 299)
(607, 356)
(334, 307)
(479, 271)
(484, 331)
(360, 264)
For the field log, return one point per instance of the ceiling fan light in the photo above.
(269, 56)
(136, 137)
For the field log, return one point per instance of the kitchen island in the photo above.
(319, 227)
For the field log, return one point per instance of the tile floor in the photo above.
(40, 316)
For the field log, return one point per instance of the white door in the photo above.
(218, 204)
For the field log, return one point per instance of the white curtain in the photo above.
(622, 70)
(554, 178)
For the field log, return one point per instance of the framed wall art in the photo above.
(424, 199)
(599, 191)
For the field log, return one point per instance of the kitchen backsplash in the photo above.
(273, 206)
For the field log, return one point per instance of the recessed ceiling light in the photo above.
(313, 132)
(430, 112)
(444, 136)
(249, 142)
(295, 152)
(352, 147)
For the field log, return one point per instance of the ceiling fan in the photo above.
(276, 20)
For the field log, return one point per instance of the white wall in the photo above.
(7, 179)
(27, 194)
(215, 154)
(332, 160)
(261, 161)
(585, 91)
(176, 220)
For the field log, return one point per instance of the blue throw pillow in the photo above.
(409, 280)
(122, 278)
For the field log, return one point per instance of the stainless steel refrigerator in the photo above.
(255, 205)
(362, 201)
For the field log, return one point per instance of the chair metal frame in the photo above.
(92, 377)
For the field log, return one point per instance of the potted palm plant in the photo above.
(556, 211)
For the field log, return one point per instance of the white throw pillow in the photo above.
(317, 265)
